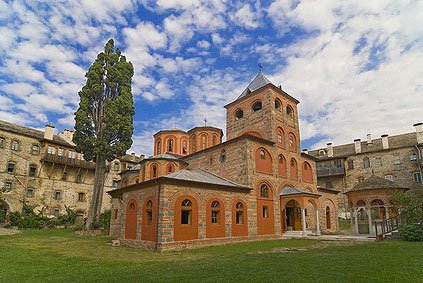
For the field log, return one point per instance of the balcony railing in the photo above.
(331, 171)
(70, 161)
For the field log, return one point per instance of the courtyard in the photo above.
(58, 255)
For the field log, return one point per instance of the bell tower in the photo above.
(264, 110)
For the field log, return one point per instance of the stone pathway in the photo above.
(8, 231)
(333, 237)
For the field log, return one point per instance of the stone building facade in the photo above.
(396, 158)
(43, 170)
(256, 184)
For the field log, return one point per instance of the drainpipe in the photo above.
(420, 161)
(157, 215)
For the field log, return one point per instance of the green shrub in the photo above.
(411, 232)
(79, 227)
(2, 216)
(15, 218)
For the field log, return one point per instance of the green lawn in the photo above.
(57, 255)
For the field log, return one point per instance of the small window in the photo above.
(361, 203)
(61, 152)
(389, 177)
(417, 177)
(262, 154)
(329, 185)
(366, 162)
(57, 195)
(184, 147)
(222, 156)
(132, 206)
(32, 170)
(360, 179)
(413, 157)
(378, 161)
(51, 150)
(350, 164)
(10, 167)
(291, 141)
(186, 210)
(279, 138)
(264, 191)
(65, 176)
(280, 159)
(170, 145)
(203, 142)
(397, 159)
(170, 169)
(81, 196)
(214, 140)
(215, 212)
(265, 211)
(29, 192)
(8, 185)
(115, 213)
(321, 152)
(56, 212)
(154, 171)
(292, 163)
(149, 210)
(35, 149)
(337, 163)
(2, 142)
(239, 213)
(239, 114)
(257, 106)
(14, 145)
(289, 111)
(71, 154)
(114, 183)
(278, 105)
(79, 178)
(211, 160)
(116, 166)
(159, 147)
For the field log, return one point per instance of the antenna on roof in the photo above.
(260, 66)
(205, 122)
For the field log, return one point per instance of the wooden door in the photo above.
(131, 220)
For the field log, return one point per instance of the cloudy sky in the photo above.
(356, 66)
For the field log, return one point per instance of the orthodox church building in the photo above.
(197, 190)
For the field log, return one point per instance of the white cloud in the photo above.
(203, 44)
(246, 17)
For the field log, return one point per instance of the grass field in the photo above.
(57, 255)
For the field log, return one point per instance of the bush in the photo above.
(411, 232)
(104, 221)
(2, 216)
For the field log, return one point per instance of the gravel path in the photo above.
(8, 231)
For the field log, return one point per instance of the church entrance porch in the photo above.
(299, 211)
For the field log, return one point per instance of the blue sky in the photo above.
(356, 66)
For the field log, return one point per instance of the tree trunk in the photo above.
(97, 198)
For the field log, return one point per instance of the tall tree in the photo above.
(103, 121)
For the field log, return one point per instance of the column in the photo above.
(356, 221)
(352, 220)
(317, 223)
(386, 212)
(369, 217)
(303, 218)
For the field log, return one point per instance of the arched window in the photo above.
(32, 170)
(170, 145)
(214, 140)
(203, 141)
(377, 202)
(307, 173)
(262, 154)
(278, 105)
(366, 162)
(281, 166)
(149, 210)
(222, 157)
(293, 169)
(186, 212)
(215, 212)
(170, 168)
(2, 142)
(280, 141)
(35, 149)
(184, 147)
(257, 106)
(132, 206)
(264, 191)
(239, 114)
(154, 171)
(289, 111)
(194, 144)
(263, 161)
(14, 145)
(159, 146)
(292, 142)
(361, 203)
(239, 209)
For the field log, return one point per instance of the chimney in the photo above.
(305, 150)
(385, 143)
(369, 139)
(357, 145)
(142, 157)
(329, 149)
(419, 132)
(48, 132)
(67, 135)
(133, 156)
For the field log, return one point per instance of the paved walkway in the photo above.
(332, 237)
(8, 231)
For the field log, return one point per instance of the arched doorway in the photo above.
(328, 224)
(292, 216)
(131, 220)
(4, 206)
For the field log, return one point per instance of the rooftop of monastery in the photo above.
(291, 191)
(259, 81)
(375, 183)
(341, 151)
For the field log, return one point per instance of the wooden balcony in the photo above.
(331, 171)
(64, 160)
